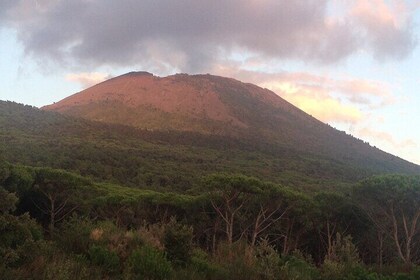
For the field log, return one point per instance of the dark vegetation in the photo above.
(58, 225)
(175, 161)
(135, 204)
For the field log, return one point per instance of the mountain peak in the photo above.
(203, 103)
(137, 73)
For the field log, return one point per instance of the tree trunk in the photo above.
(381, 249)
(52, 215)
(396, 238)
(230, 231)
(329, 240)
(256, 229)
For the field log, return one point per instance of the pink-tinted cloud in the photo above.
(385, 25)
(385, 137)
(317, 102)
(379, 12)
(320, 96)
(87, 79)
(328, 99)
(350, 87)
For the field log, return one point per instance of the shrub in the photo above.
(153, 235)
(118, 240)
(43, 260)
(74, 234)
(344, 262)
(19, 238)
(104, 258)
(238, 259)
(178, 243)
(297, 267)
(64, 268)
(201, 267)
(344, 251)
(147, 263)
(268, 261)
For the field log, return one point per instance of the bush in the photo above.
(297, 267)
(147, 263)
(344, 262)
(344, 251)
(116, 239)
(178, 243)
(64, 268)
(238, 259)
(74, 235)
(153, 235)
(268, 261)
(19, 235)
(104, 258)
(201, 267)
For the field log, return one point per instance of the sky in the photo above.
(353, 64)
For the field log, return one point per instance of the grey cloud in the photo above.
(5, 5)
(393, 43)
(190, 35)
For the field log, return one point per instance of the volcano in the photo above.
(213, 105)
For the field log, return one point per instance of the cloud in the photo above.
(360, 91)
(87, 79)
(386, 27)
(329, 100)
(319, 104)
(385, 137)
(351, 87)
(192, 35)
(406, 148)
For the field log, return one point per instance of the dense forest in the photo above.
(58, 225)
(87, 200)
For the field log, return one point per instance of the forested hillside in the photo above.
(171, 160)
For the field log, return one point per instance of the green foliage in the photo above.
(75, 234)
(226, 182)
(238, 259)
(7, 201)
(62, 267)
(20, 179)
(397, 189)
(105, 248)
(104, 258)
(392, 204)
(268, 261)
(344, 251)
(19, 239)
(296, 267)
(201, 266)
(178, 243)
(118, 240)
(4, 171)
(344, 261)
(147, 263)
(15, 231)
